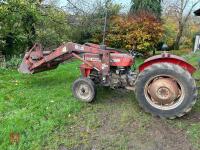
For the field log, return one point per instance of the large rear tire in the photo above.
(166, 90)
(84, 89)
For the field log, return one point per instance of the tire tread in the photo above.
(177, 69)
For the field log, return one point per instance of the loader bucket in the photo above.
(37, 60)
(24, 67)
(28, 61)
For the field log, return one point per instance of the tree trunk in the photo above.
(176, 44)
(154, 52)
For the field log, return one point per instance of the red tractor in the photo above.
(163, 84)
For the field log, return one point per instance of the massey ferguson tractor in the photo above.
(163, 84)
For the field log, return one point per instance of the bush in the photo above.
(24, 23)
(142, 32)
(14, 62)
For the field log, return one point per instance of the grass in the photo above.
(192, 128)
(181, 52)
(32, 106)
(39, 110)
(110, 112)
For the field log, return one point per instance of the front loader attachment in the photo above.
(24, 67)
(37, 60)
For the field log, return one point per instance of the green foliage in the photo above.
(17, 20)
(141, 32)
(170, 33)
(90, 28)
(151, 6)
(14, 62)
(25, 22)
(170, 28)
(54, 28)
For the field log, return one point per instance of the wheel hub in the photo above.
(84, 91)
(163, 91)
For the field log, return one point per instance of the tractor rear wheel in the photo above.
(166, 90)
(84, 89)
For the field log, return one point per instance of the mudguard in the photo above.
(168, 58)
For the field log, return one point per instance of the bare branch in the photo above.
(71, 3)
(190, 11)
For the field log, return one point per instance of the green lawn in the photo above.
(40, 107)
(33, 105)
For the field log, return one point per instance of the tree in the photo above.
(17, 25)
(24, 22)
(152, 6)
(141, 32)
(181, 10)
(87, 18)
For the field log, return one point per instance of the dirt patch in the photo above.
(193, 117)
(117, 129)
(166, 137)
(116, 122)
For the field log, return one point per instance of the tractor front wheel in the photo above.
(84, 89)
(166, 90)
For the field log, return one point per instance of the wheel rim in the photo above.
(83, 91)
(164, 92)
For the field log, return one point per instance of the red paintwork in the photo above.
(169, 58)
(37, 61)
(116, 59)
(85, 70)
(93, 57)
(123, 60)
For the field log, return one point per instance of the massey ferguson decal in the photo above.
(93, 59)
(79, 47)
(115, 60)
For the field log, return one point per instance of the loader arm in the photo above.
(37, 60)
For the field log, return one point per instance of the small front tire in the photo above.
(84, 89)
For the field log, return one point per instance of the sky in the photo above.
(125, 3)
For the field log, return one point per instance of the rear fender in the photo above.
(168, 58)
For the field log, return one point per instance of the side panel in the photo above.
(121, 60)
(169, 59)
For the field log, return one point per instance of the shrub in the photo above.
(142, 32)
(24, 23)
(14, 62)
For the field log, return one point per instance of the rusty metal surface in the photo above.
(37, 60)
(163, 90)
